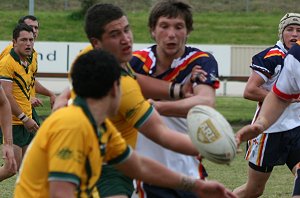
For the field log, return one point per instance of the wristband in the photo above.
(177, 91)
(180, 91)
(171, 90)
(21, 115)
(25, 119)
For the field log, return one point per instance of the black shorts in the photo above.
(272, 149)
(151, 191)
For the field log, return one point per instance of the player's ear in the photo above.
(14, 42)
(96, 43)
(115, 90)
(152, 32)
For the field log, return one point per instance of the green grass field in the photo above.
(209, 28)
(237, 110)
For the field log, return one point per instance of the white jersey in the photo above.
(268, 65)
(288, 84)
(175, 161)
(144, 62)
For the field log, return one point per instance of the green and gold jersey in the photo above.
(134, 110)
(22, 78)
(6, 50)
(34, 59)
(69, 147)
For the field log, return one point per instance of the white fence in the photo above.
(55, 59)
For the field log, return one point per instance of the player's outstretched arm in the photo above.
(150, 171)
(153, 88)
(203, 95)
(62, 99)
(155, 129)
(160, 89)
(61, 189)
(267, 116)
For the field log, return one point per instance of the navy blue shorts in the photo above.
(150, 191)
(272, 149)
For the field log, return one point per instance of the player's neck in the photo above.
(23, 59)
(165, 60)
(98, 109)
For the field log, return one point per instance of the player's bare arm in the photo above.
(28, 122)
(203, 95)
(155, 129)
(6, 126)
(160, 89)
(61, 189)
(62, 99)
(254, 90)
(152, 172)
(268, 115)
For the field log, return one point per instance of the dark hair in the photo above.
(31, 17)
(171, 9)
(19, 28)
(98, 16)
(94, 73)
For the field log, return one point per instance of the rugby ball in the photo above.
(211, 134)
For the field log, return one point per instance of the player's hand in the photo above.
(36, 102)
(62, 100)
(248, 132)
(9, 158)
(31, 125)
(155, 104)
(52, 100)
(212, 189)
(197, 75)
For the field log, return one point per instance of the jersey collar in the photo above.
(79, 101)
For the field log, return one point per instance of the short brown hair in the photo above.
(171, 9)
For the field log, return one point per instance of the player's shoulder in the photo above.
(86, 50)
(109, 127)
(8, 60)
(66, 115)
(198, 55)
(145, 50)
(295, 51)
(128, 83)
(195, 50)
(143, 54)
(6, 50)
(277, 51)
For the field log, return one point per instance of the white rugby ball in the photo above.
(211, 134)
